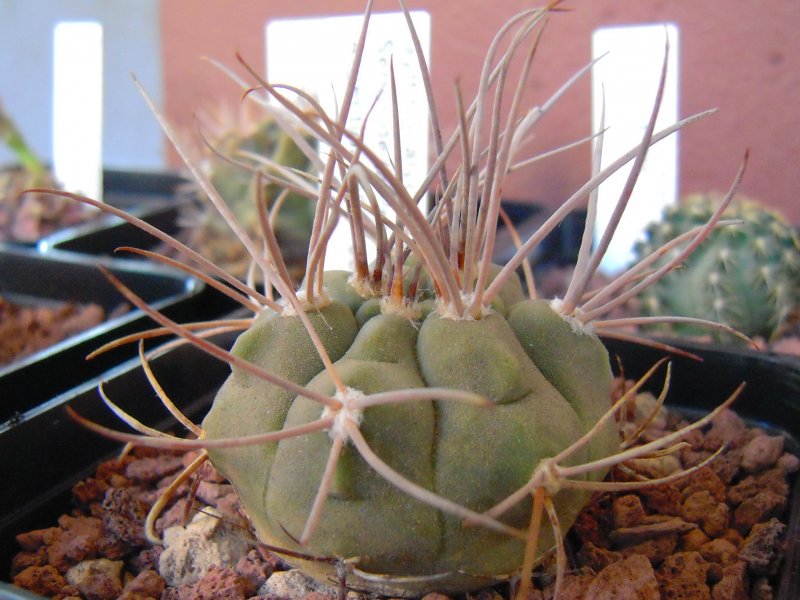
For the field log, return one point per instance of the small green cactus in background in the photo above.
(232, 170)
(746, 274)
(408, 424)
(28, 217)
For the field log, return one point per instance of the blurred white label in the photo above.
(628, 77)
(78, 107)
(316, 54)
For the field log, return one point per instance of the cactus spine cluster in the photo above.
(746, 274)
(411, 421)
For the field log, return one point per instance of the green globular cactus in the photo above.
(472, 455)
(746, 274)
(408, 424)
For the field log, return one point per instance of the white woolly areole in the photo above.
(363, 287)
(573, 319)
(321, 300)
(348, 411)
(406, 308)
(550, 475)
(448, 311)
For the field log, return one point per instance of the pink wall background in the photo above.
(740, 56)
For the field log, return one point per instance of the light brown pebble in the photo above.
(734, 583)
(629, 579)
(45, 581)
(788, 463)
(726, 428)
(706, 479)
(684, 575)
(762, 452)
(694, 539)
(716, 522)
(759, 508)
(596, 557)
(719, 551)
(655, 467)
(655, 550)
(702, 508)
(697, 506)
(763, 548)
(627, 511)
(100, 578)
(734, 537)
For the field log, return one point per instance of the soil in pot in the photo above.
(26, 218)
(718, 533)
(29, 328)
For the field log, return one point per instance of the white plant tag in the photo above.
(78, 107)
(628, 78)
(315, 54)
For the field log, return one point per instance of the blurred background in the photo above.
(740, 56)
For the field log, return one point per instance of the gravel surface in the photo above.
(28, 329)
(717, 534)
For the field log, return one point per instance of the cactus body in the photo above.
(746, 275)
(474, 456)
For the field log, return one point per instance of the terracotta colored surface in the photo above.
(712, 532)
(740, 56)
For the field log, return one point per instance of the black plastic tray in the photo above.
(39, 485)
(771, 399)
(138, 192)
(28, 277)
(558, 248)
(126, 189)
(58, 452)
(102, 236)
(157, 198)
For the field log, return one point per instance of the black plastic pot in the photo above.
(558, 248)
(771, 399)
(30, 278)
(101, 237)
(58, 452)
(156, 198)
(39, 485)
(127, 189)
(138, 192)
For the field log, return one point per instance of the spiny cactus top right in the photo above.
(746, 275)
